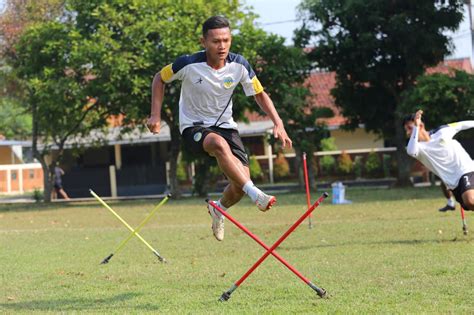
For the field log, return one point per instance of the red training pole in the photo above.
(270, 250)
(464, 224)
(308, 196)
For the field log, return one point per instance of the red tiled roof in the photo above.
(321, 83)
(448, 66)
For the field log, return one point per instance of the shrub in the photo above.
(255, 169)
(327, 164)
(327, 144)
(372, 165)
(344, 163)
(386, 164)
(281, 168)
(358, 166)
(181, 173)
(38, 195)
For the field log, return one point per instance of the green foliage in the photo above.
(443, 98)
(377, 48)
(255, 169)
(181, 170)
(386, 164)
(373, 164)
(328, 144)
(327, 163)
(38, 195)
(344, 165)
(358, 166)
(281, 168)
(15, 122)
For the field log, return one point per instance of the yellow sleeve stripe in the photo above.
(452, 125)
(166, 73)
(257, 86)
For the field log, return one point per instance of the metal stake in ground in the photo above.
(128, 227)
(270, 250)
(308, 196)
(464, 224)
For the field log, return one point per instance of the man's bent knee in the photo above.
(468, 199)
(215, 144)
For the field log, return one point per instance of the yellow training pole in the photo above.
(138, 228)
(128, 227)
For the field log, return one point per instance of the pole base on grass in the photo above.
(320, 291)
(106, 259)
(464, 229)
(161, 259)
(224, 297)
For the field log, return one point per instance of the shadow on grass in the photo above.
(370, 243)
(80, 304)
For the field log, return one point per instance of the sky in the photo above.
(279, 17)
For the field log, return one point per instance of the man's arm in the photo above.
(157, 95)
(266, 104)
(412, 147)
(462, 125)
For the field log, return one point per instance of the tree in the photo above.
(444, 98)
(377, 49)
(53, 66)
(283, 71)
(130, 41)
(15, 119)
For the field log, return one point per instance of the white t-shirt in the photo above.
(206, 93)
(443, 155)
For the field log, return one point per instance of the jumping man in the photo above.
(443, 155)
(209, 78)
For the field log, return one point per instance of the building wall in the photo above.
(6, 156)
(358, 139)
(32, 179)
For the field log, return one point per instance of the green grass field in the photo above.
(388, 252)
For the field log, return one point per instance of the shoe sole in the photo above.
(212, 228)
(270, 204)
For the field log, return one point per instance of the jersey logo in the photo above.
(198, 81)
(228, 82)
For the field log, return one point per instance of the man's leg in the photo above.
(468, 199)
(451, 203)
(238, 175)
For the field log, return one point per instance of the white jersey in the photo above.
(206, 93)
(443, 155)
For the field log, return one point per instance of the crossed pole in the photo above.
(271, 250)
(133, 232)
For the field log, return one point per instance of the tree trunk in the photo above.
(404, 162)
(175, 189)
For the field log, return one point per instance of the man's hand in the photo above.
(154, 124)
(418, 117)
(279, 132)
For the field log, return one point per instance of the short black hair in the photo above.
(408, 118)
(214, 22)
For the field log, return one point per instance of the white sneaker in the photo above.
(217, 223)
(265, 202)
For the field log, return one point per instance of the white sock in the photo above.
(218, 202)
(451, 202)
(251, 190)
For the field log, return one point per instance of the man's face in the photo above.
(217, 43)
(409, 128)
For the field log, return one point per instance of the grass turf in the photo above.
(390, 251)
